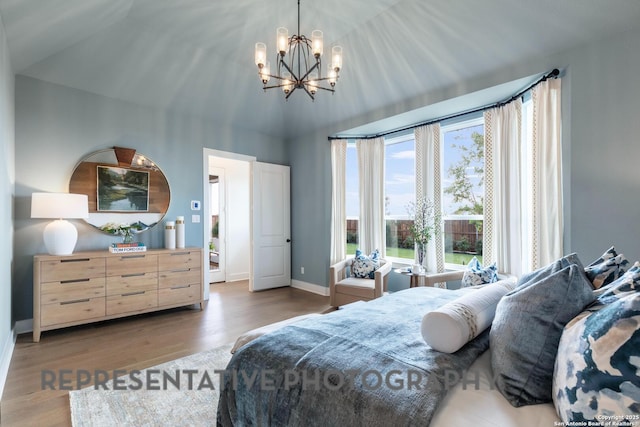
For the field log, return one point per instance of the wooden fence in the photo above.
(461, 235)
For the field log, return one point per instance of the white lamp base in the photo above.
(60, 237)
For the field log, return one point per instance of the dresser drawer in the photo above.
(69, 290)
(131, 264)
(179, 294)
(131, 302)
(71, 268)
(132, 282)
(179, 276)
(72, 311)
(180, 259)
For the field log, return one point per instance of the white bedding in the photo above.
(484, 406)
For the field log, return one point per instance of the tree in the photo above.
(462, 189)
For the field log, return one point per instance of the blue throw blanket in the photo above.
(366, 365)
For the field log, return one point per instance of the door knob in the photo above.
(288, 240)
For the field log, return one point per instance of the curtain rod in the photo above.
(550, 75)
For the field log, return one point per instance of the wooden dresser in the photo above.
(91, 286)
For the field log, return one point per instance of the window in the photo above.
(463, 190)
(399, 191)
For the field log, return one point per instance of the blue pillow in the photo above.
(596, 371)
(476, 275)
(546, 271)
(526, 331)
(607, 268)
(364, 266)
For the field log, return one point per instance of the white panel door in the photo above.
(271, 227)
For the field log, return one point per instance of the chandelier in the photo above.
(299, 64)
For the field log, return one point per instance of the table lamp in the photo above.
(60, 236)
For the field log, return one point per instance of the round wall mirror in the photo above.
(128, 193)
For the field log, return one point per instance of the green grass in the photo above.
(449, 258)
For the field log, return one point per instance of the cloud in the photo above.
(401, 179)
(407, 154)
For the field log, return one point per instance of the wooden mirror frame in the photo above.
(84, 180)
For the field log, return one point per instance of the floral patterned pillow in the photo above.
(596, 369)
(365, 266)
(476, 275)
(607, 268)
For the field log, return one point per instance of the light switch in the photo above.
(195, 219)
(195, 205)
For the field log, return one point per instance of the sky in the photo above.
(400, 173)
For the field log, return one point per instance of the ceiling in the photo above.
(196, 56)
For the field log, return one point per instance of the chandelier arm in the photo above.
(308, 93)
(309, 70)
(290, 92)
(326, 88)
(293, 75)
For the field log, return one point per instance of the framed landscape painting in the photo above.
(122, 189)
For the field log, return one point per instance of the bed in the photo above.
(367, 365)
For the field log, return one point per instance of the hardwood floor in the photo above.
(138, 342)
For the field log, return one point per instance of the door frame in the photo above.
(220, 275)
(206, 208)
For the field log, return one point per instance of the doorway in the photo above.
(226, 215)
(252, 218)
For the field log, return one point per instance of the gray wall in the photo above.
(7, 177)
(57, 126)
(601, 132)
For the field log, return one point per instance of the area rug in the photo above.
(181, 392)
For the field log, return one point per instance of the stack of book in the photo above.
(118, 248)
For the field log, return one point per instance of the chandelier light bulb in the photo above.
(316, 42)
(333, 76)
(282, 37)
(265, 73)
(313, 82)
(336, 58)
(287, 85)
(260, 54)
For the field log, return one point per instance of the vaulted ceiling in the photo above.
(196, 56)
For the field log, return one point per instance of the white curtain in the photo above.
(547, 230)
(338, 200)
(523, 227)
(503, 205)
(371, 227)
(429, 187)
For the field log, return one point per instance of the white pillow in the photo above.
(451, 326)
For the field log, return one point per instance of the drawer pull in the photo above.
(64, 282)
(180, 270)
(180, 253)
(181, 287)
(76, 260)
(75, 301)
(133, 293)
(133, 275)
(131, 256)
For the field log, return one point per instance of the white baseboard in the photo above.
(310, 287)
(5, 358)
(236, 277)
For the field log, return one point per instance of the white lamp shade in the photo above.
(60, 236)
(59, 205)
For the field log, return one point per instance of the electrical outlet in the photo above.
(301, 270)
